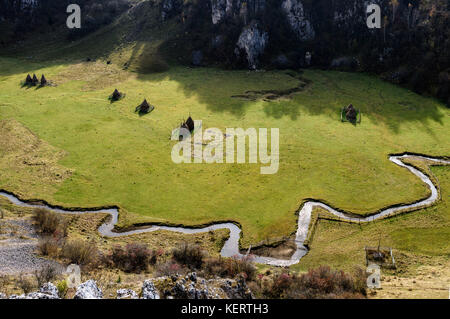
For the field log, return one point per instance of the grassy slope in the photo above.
(419, 239)
(121, 158)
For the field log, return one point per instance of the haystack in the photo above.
(116, 95)
(190, 124)
(350, 113)
(35, 79)
(144, 108)
(43, 80)
(28, 80)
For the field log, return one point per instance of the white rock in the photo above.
(88, 290)
(149, 290)
(297, 19)
(253, 41)
(49, 289)
(126, 294)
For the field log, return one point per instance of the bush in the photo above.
(189, 255)
(80, 252)
(48, 246)
(46, 274)
(133, 258)
(170, 268)
(62, 288)
(50, 223)
(25, 283)
(230, 267)
(322, 282)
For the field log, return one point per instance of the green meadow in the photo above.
(117, 157)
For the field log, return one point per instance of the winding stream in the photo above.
(231, 246)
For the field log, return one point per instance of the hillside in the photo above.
(410, 49)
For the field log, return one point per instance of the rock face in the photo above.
(218, 10)
(188, 286)
(88, 290)
(252, 41)
(149, 290)
(296, 17)
(193, 287)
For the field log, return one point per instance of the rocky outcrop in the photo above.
(296, 18)
(88, 290)
(193, 287)
(252, 42)
(188, 286)
(219, 10)
(49, 289)
(149, 290)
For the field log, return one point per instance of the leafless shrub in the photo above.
(25, 283)
(80, 252)
(170, 268)
(188, 255)
(50, 223)
(230, 267)
(48, 246)
(46, 274)
(319, 283)
(133, 257)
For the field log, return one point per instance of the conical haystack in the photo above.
(350, 113)
(29, 80)
(144, 107)
(43, 80)
(116, 95)
(190, 124)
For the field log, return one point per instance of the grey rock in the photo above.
(252, 41)
(33, 295)
(127, 294)
(193, 276)
(149, 290)
(88, 290)
(296, 17)
(218, 10)
(3, 296)
(49, 289)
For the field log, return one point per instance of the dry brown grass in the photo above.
(97, 75)
(25, 158)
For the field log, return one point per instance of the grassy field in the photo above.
(112, 156)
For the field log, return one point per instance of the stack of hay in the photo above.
(144, 108)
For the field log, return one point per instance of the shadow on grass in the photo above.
(328, 92)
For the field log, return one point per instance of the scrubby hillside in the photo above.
(410, 49)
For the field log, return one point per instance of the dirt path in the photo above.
(18, 244)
